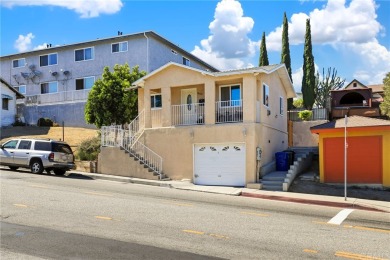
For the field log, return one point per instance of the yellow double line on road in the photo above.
(357, 256)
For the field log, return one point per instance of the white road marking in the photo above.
(340, 217)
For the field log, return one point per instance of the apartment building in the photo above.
(55, 81)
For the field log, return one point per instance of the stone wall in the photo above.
(302, 137)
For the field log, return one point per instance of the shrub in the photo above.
(298, 103)
(89, 149)
(305, 115)
(44, 122)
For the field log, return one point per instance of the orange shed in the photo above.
(368, 151)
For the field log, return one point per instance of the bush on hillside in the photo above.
(44, 122)
(305, 115)
(89, 149)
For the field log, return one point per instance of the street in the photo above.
(74, 217)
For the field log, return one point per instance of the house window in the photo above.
(186, 61)
(156, 101)
(230, 95)
(49, 87)
(85, 83)
(5, 103)
(265, 95)
(47, 60)
(19, 63)
(281, 106)
(83, 54)
(119, 47)
(21, 89)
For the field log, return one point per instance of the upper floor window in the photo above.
(49, 87)
(281, 106)
(230, 95)
(21, 89)
(19, 63)
(83, 54)
(119, 47)
(186, 61)
(85, 83)
(49, 59)
(265, 95)
(156, 101)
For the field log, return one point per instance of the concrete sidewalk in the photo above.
(373, 205)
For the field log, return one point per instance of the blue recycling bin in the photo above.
(282, 161)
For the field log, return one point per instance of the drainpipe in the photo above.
(147, 52)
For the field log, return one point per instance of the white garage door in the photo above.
(219, 164)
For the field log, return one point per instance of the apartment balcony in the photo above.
(55, 98)
(228, 111)
(188, 114)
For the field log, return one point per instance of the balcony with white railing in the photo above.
(188, 114)
(156, 115)
(58, 97)
(228, 111)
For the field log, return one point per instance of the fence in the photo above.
(318, 114)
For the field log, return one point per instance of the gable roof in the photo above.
(279, 68)
(355, 81)
(17, 93)
(353, 122)
(116, 39)
(376, 88)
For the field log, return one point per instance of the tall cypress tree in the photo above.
(263, 60)
(285, 56)
(309, 79)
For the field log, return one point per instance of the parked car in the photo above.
(37, 155)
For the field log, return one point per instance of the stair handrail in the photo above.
(138, 123)
(147, 156)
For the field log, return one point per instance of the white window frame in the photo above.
(19, 66)
(119, 45)
(93, 54)
(48, 59)
(21, 86)
(49, 82)
(84, 78)
(154, 107)
(230, 93)
(265, 101)
(186, 59)
(281, 106)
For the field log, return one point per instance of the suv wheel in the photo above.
(36, 166)
(59, 171)
(14, 168)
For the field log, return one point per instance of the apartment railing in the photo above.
(188, 114)
(58, 97)
(228, 111)
(137, 126)
(317, 114)
(156, 115)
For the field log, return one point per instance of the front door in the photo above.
(188, 111)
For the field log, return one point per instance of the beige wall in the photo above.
(302, 137)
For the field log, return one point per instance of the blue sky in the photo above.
(351, 36)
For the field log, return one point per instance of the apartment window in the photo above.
(119, 47)
(265, 95)
(156, 101)
(21, 89)
(186, 61)
(19, 63)
(49, 87)
(281, 106)
(230, 95)
(5, 103)
(84, 54)
(47, 60)
(85, 83)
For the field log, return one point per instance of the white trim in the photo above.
(83, 78)
(12, 63)
(48, 65)
(119, 44)
(22, 85)
(93, 54)
(185, 58)
(281, 102)
(230, 85)
(48, 82)
(263, 92)
(153, 95)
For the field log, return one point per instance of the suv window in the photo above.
(62, 148)
(24, 144)
(42, 146)
(11, 144)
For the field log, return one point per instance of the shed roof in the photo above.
(353, 122)
(17, 93)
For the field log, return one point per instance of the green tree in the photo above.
(329, 82)
(385, 106)
(285, 55)
(309, 79)
(108, 101)
(263, 60)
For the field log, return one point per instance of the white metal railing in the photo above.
(228, 111)
(156, 115)
(63, 96)
(138, 124)
(188, 114)
(147, 157)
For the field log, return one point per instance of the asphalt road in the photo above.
(51, 217)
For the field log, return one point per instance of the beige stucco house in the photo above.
(214, 128)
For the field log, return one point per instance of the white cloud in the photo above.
(23, 43)
(86, 8)
(40, 47)
(228, 45)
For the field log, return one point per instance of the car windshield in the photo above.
(62, 148)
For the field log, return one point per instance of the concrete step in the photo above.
(279, 182)
(275, 176)
(273, 187)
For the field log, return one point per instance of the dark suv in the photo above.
(37, 155)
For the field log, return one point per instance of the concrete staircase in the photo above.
(274, 181)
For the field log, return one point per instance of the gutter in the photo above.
(147, 53)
